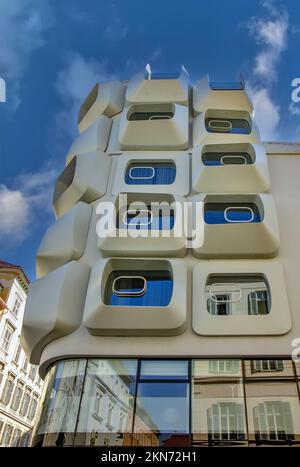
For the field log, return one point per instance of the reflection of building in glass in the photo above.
(109, 402)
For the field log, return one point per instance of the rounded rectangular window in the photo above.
(237, 295)
(226, 158)
(138, 288)
(149, 217)
(149, 112)
(231, 213)
(227, 125)
(140, 173)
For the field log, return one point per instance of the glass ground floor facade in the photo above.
(172, 403)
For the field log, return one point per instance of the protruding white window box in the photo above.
(230, 168)
(236, 226)
(136, 297)
(234, 298)
(207, 96)
(154, 126)
(84, 179)
(217, 126)
(148, 173)
(145, 225)
(149, 87)
(104, 99)
(65, 240)
(54, 307)
(95, 138)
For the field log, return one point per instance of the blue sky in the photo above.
(53, 52)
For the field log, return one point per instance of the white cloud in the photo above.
(271, 36)
(267, 113)
(294, 109)
(24, 203)
(73, 84)
(22, 27)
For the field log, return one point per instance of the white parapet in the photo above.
(147, 87)
(64, 240)
(85, 179)
(230, 168)
(147, 224)
(206, 97)
(110, 309)
(104, 99)
(154, 126)
(95, 138)
(216, 126)
(249, 298)
(237, 226)
(54, 307)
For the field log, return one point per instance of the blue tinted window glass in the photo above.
(150, 174)
(227, 125)
(158, 290)
(163, 407)
(164, 369)
(224, 213)
(163, 75)
(145, 218)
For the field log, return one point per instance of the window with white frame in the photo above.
(2, 366)
(16, 306)
(7, 435)
(1, 426)
(25, 403)
(266, 365)
(16, 437)
(18, 394)
(17, 354)
(98, 402)
(273, 421)
(7, 336)
(224, 366)
(25, 364)
(121, 421)
(32, 372)
(226, 421)
(8, 389)
(33, 407)
(110, 413)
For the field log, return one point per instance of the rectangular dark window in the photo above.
(226, 158)
(139, 288)
(156, 173)
(227, 125)
(151, 116)
(231, 213)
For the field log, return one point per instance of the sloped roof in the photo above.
(19, 272)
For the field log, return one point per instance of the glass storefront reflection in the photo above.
(162, 403)
(130, 402)
(62, 391)
(218, 409)
(106, 411)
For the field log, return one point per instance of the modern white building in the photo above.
(20, 383)
(166, 305)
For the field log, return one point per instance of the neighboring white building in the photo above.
(20, 384)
